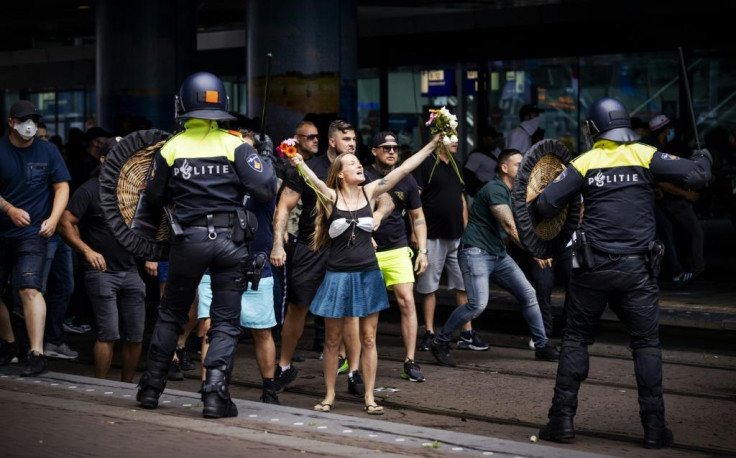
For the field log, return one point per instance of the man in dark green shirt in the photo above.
(482, 255)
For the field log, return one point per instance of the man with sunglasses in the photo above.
(34, 190)
(307, 144)
(392, 247)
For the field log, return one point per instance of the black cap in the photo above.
(380, 138)
(528, 110)
(24, 108)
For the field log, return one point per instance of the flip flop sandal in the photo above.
(373, 409)
(323, 407)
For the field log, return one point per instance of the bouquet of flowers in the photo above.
(444, 123)
(287, 148)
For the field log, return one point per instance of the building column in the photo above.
(145, 50)
(314, 65)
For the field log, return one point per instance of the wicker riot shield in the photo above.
(122, 179)
(544, 161)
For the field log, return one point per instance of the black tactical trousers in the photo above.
(632, 293)
(188, 260)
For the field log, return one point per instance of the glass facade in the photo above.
(564, 87)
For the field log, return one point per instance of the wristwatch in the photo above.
(424, 251)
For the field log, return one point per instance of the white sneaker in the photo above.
(59, 351)
(531, 344)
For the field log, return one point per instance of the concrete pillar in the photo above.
(145, 49)
(314, 64)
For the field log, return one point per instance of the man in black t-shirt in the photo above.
(393, 252)
(446, 210)
(111, 278)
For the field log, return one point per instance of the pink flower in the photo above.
(431, 119)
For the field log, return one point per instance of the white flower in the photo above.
(453, 124)
(453, 139)
(445, 112)
(446, 140)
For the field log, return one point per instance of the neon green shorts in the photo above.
(396, 266)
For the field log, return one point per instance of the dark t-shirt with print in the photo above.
(391, 234)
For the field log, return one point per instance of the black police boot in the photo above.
(648, 370)
(656, 433)
(150, 387)
(216, 396)
(560, 426)
(571, 371)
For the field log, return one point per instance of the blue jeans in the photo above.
(478, 267)
(58, 286)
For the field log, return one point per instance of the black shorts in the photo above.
(305, 270)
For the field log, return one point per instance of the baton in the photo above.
(265, 94)
(689, 98)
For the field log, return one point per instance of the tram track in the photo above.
(464, 416)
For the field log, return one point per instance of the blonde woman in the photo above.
(353, 287)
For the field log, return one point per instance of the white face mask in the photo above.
(531, 125)
(27, 129)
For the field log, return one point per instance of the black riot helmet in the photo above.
(202, 95)
(608, 119)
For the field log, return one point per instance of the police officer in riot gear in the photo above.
(204, 172)
(616, 254)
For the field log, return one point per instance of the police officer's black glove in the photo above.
(702, 152)
(264, 145)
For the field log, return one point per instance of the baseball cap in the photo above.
(23, 108)
(528, 110)
(380, 138)
(659, 122)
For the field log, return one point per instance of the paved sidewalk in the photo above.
(68, 415)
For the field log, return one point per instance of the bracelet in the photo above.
(424, 251)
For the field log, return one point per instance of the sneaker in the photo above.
(8, 353)
(411, 372)
(441, 352)
(356, 386)
(531, 344)
(185, 363)
(342, 365)
(175, 372)
(270, 397)
(548, 353)
(71, 328)
(471, 342)
(284, 378)
(427, 339)
(36, 365)
(59, 351)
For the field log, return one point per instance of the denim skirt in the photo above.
(353, 294)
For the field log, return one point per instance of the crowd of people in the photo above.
(333, 237)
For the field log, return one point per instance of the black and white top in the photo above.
(351, 249)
